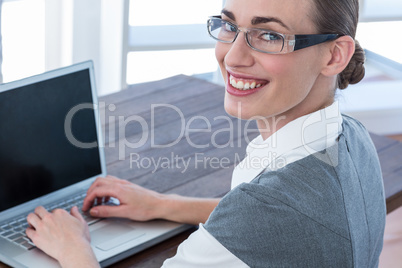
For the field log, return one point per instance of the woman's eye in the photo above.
(229, 28)
(270, 36)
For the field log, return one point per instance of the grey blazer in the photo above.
(325, 210)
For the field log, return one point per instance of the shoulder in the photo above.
(353, 128)
(356, 151)
(308, 187)
(284, 213)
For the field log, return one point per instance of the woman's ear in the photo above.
(341, 51)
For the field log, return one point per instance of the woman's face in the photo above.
(291, 84)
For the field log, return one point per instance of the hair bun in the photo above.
(355, 70)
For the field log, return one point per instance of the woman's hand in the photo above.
(63, 236)
(136, 202)
(140, 204)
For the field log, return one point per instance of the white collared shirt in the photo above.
(298, 139)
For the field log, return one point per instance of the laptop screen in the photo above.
(43, 127)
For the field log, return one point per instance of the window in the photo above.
(382, 38)
(381, 10)
(23, 38)
(169, 37)
(379, 27)
(157, 38)
(173, 12)
(146, 66)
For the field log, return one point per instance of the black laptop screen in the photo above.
(39, 151)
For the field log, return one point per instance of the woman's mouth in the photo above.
(242, 86)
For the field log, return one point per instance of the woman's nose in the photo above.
(239, 53)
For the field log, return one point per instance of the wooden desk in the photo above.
(390, 154)
(165, 104)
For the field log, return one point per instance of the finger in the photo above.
(31, 233)
(41, 212)
(76, 214)
(102, 181)
(99, 182)
(106, 211)
(99, 192)
(33, 220)
(99, 200)
(89, 202)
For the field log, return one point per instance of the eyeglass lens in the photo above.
(259, 39)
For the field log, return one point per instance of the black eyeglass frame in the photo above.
(290, 42)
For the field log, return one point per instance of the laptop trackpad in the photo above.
(113, 235)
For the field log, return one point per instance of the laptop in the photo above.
(51, 150)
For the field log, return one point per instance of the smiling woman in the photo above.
(278, 72)
(309, 193)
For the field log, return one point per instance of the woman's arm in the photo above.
(65, 236)
(141, 204)
(187, 209)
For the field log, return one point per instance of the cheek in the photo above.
(277, 68)
(291, 80)
(287, 69)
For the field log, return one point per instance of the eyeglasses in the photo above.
(263, 40)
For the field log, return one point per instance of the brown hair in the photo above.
(341, 17)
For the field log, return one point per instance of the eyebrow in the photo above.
(256, 20)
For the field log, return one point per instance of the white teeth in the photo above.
(233, 83)
(243, 85)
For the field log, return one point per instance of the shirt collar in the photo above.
(305, 135)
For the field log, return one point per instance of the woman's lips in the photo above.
(240, 86)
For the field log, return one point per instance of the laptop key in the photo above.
(19, 229)
(8, 233)
(14, 236)
(20, 240)
(27, 245)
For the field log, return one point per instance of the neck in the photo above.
(268, 126)
(316, 100)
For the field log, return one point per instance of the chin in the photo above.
(238, 111)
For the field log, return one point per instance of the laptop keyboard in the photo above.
(14, 230)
